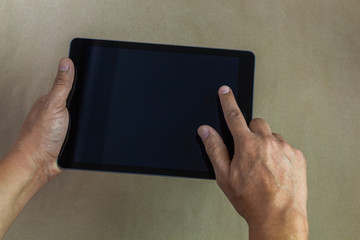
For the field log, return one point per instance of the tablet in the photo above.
(136, 107)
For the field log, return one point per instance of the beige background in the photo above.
(307, 86)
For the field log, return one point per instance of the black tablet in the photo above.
(136, 107)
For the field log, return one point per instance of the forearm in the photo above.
(288, 226)
(20, 179)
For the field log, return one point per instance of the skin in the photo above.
(265, 181)
(32, 160)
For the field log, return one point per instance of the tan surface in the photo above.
(307, 87)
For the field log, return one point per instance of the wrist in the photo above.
(36, 168)
(288, 224)
(25, 174)
(19, 181)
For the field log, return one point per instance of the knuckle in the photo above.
(270, 142)
(43, 102)
(62, 80)
(234, 114)
(213, 148)
(271, 145)
(285, 146)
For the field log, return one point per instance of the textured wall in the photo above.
(307, 86)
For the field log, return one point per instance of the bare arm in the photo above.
(32, 160)
(265, 180)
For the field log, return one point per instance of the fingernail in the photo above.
(64, 65)
(224, 89)
(203, 132)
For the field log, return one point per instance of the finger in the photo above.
(216, 150)
(279, 137)
(232, 113)
(260, 126)
(64, 80)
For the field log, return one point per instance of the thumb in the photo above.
(64, 80)
(216, 150)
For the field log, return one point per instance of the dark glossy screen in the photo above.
(140, 108)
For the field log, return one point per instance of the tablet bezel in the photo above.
(246, 70)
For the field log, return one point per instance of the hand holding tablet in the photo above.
(126, 93)
(265, 179)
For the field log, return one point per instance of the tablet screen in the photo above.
(136, 107)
